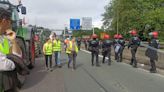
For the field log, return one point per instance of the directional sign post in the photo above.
(86, 23)
(75, 24)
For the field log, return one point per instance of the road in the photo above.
(119, 77)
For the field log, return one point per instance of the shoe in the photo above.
(47, 68)
(153, 71)
(73, 69)
(135, 66)
(98, 65)
(130, 63)
(60, 66)
(51, 69)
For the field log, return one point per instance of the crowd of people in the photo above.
(53, 46)
(118, 43)
(11, 62)
(72, 46)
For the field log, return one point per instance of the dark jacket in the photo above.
(94, 45)
(9, 78)
(134, 42)
(152, 53)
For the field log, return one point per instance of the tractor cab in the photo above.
(15, 10)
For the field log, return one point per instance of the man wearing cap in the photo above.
(106, 49)
(134, 43)
(151, 52)
(94, 48)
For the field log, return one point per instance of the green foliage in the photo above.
(143, 15)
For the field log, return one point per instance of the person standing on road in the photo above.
(94, 48)
(121, 41)
(152, 52)
(57, 51)
(85, 43)
(79, 43)
(72, 51)
(48, 51)
(134, 43)
(115, 43)
(106, 49)
(66, 41)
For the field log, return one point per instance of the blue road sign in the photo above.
(75, 24)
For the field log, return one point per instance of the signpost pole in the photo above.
(93, 29)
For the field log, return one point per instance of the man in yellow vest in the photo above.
(57, 51)
(48, 51)
(72, 51)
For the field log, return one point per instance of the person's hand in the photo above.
(11, 35)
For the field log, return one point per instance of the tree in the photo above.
(143, 15)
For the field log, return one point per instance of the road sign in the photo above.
(75, 24)
(86, 23)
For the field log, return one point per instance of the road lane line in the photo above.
(102, 88)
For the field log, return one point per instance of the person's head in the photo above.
(120, 36)
(116, 36)
(48, 39)
(133, 32)
(94, 36)
(153, 35)
(73, 39)
(106, 37)
(5, 20)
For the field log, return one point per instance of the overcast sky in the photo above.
(56, 14)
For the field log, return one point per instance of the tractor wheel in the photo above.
(22, 45)
(31, 64)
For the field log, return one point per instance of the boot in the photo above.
(131, 63)
(153, 71)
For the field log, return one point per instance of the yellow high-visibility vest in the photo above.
(5, 47)
(57, 45)
(48, 49)
(69, 48)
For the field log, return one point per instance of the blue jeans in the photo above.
(72, 57)
(57, 58)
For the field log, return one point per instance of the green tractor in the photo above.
(25, 35)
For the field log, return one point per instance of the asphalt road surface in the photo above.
(119, 77)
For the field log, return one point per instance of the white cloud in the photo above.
(56, 13)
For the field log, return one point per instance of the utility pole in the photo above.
(117, 20)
